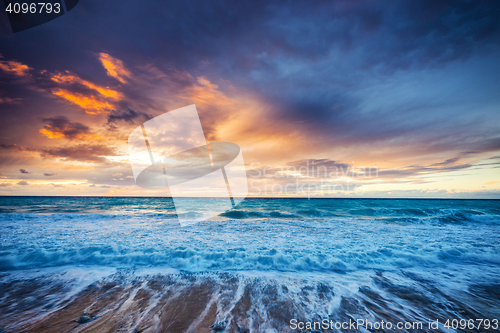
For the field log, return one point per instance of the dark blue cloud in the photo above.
(246, 36)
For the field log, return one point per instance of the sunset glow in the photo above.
(426, 119)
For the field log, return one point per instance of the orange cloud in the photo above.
(114, 67)
(205, 92)
(14, 67)
(50, 134)
(58, 135)
(97, 100)
(91, 104)
(493, 182)
(71, 78)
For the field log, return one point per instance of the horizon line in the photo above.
(251, 198)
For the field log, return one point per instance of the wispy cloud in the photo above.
(87, 95)
(81, 152)
(114, 67)
(14, 67)
(60, 127)
(8, 100)
(91, 103)
(129, 116)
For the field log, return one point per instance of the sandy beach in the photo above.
(129, 302)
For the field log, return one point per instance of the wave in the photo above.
(445, 211)
(156, 301)
(268, 254)
(302, 236)
(452, 216)
(85, 216)
(239, 214)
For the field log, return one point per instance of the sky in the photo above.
(333, 98)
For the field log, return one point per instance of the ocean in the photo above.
(103, 264)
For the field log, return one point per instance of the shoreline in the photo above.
(79, 299)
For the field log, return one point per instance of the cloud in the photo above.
(128, 116)
(14, 149)
(84, 153)
(69, 78)
(24, 171)
(318, 164)
(447, 162)
(8, 100)
(61, 127)
(91, 97)
(92, 153)
(487, 145)
(23, 182)
(4, 184)
(326, 168)
(114, 67)
(91, 103)
(417, 170)
(14, 67)
(50, 174)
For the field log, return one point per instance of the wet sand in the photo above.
(125, 302)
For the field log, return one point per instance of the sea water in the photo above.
(395, 259)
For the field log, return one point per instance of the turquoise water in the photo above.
(328, 235)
